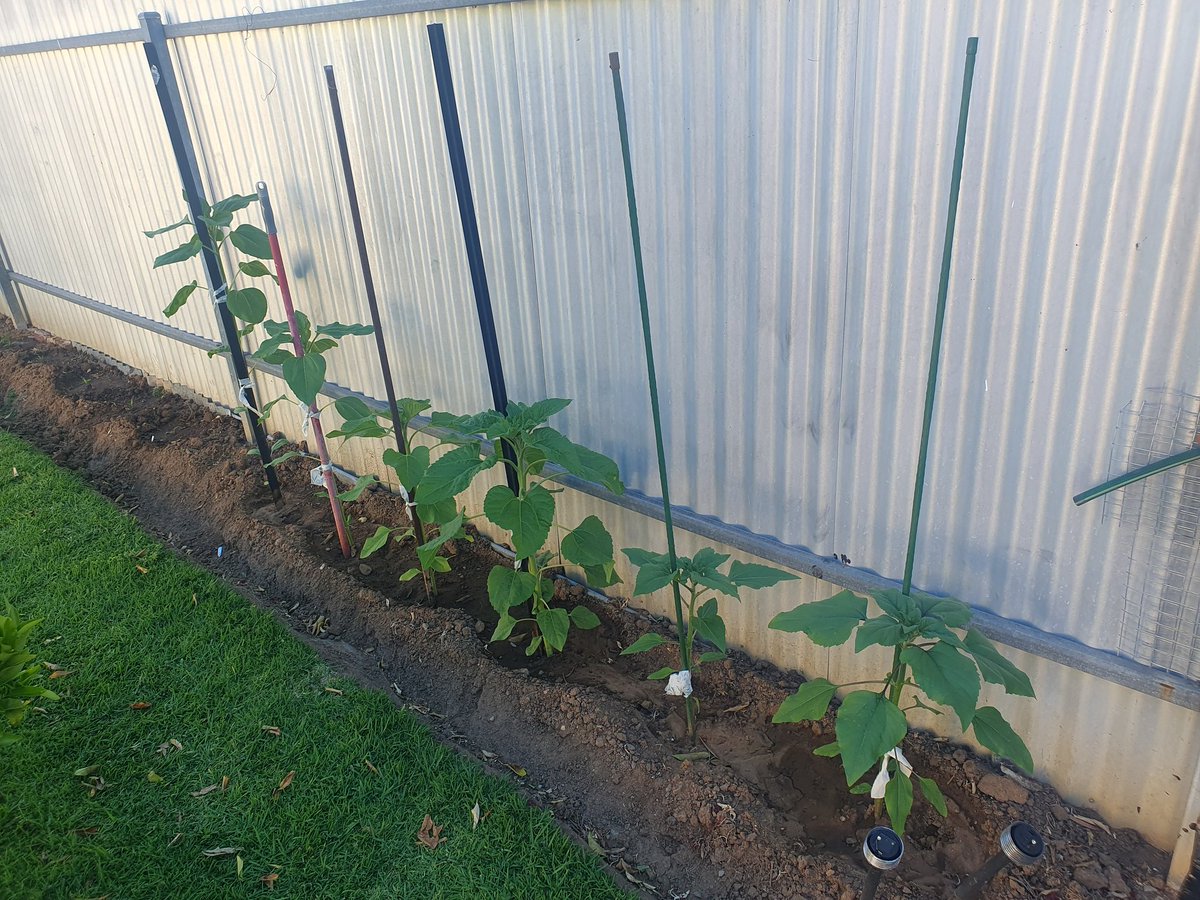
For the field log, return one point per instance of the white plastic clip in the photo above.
(680, 684)
(879, 787)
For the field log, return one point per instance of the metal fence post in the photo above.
(158, 56)
(11, 299)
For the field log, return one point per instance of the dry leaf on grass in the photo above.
(205, 791)
(370, 765)
(224, 783)
(519, 771)
(86, 771)
(60, 673)
(1089, 822)
(334, 691)
(140, 704)
(430, 835)
(285, 784)
(475, 816)
(272, 730)
(86, 832)
(241, 864)
(143, 570)
(270, 879)
(153, 777)
(175, 840)
(221, 851)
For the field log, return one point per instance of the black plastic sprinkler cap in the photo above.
(882, 848)
(1022, 844)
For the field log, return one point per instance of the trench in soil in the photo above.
(762, 817)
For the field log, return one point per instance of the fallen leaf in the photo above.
(86, 771)
(175, 840)
(86, 832)
(594, 845)
(628, 871)
(475, 816)
(270, 879)
(333, 691)
(205, 791)
(272, 730)
(174, 743)
(240, 865)
(488, 754)
(153, 777)
(193, 599)
(221, 851)
(519, 771)
(739, 708)
(1088, 822)
(60, 673)
(224, 783)
(430, 835)
(285, 784)
(370, 765)
(143, 570)
(140, 704)
(53, 667)
(95, 785)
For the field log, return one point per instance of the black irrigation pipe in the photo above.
(167, 90)
(364, 259)
(614, 62)
(470, 229)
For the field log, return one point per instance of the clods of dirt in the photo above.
(749, 811)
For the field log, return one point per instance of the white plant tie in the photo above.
(680, 684)
(317, 474)
(218, 295)
(245, 385)
(879, 788)
(307, 413)
(408, 501)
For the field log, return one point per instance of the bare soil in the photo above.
(583, 735)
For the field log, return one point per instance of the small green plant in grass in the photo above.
(444, 522)
(702, 582)
(527, 515)
(20, 674)
(937, 660)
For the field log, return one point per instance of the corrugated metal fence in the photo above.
(792, 161)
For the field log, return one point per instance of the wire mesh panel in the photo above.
(1160, 621)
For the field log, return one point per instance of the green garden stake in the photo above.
(940, 315)
(614, 62)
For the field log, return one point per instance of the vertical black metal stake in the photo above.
(167, 89)
(470, 228)
(360, 237)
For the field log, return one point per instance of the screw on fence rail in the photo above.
(314, 417)
(614, 62)
(364, 259)
(470, 230)
(940, 314)
(882, 848)
(1020, 844)
(158, 57)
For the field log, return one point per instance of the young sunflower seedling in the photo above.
(528, 514)
(936, 657)
(702, 581)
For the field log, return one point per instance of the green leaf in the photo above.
(232, 204)
(882, 630)
(251, 241)
(710, 625)
(602, 576)
(554, 624)
(861, 788)
(898, 798)
(375, 541)
(994, 667)
(533, 646)
(255, 269)
(582, 617)
(180, 298)
(660, 674)
(437, 563)
(646, 642)
(409, 408)
(712, 656)
(157, 231)
(828, 623)
(321, 345)
(898, 605)
(363, 428)
(504, 628)
(707, 560)
(868, 726)
(272, 349)
(954, 613)
(808, 704)
(409, 574)
(589, 544)
(654, 570)
(247, 304)
(528, 417)
(754, 576)
(179, 254)
(453, 472)
(427, 552)
(715, 580)
(409, 467)
(508, 588)
(998, 736)
(933, 794)
(338, 330)
(351, 408)
(947, 677)
(527, 517)
(828, 750)
(363, 482)
(578, 460)
(305, 375)
(640, 557)
(442, 511)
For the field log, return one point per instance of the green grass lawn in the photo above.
(216, 671)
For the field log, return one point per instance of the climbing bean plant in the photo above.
(938, 660)
(528, 514)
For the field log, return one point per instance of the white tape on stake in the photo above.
(879, 788)
(244, 385)
(680, 684)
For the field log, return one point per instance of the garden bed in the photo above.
(762, 817)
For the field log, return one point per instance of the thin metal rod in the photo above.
(1136, 475)
(940, 315)
(167, 88)
(339, 126)
(685, 656)
(470, 230)
(314, 417)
